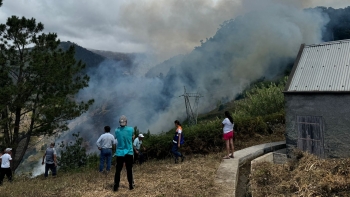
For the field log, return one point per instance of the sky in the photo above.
(161, 28)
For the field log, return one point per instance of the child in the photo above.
(5, 165)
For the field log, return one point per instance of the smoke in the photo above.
(260, 42)
(38, 169)
(163, 28)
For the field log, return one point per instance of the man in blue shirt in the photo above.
(105, 144)
(124, 152)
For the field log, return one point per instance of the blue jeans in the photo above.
(175, 151)
(106, 154)
(138, 157)
(51, 167)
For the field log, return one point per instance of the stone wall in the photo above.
(335, 110)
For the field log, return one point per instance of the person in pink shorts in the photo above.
(228, 134)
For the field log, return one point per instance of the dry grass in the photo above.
(193, 177)
(304, 176)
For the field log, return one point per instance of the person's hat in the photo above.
(122, 120)
(140, 135)
(8, 149)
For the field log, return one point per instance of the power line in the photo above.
(192, 113)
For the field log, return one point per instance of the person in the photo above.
(5, 169)
(137, 149)
(105, 144)
(228, 134)
(178, 140)
(124, 152)
(50, 158)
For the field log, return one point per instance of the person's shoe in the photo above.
(131, 187)
(176, 160)
(182, 158)
(115, 188)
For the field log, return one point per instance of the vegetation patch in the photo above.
(304, 175)
(193, 177)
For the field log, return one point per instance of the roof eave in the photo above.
(316, 92)
(296, 62)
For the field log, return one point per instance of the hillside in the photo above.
(163, 68)
(162, 177)
(92, 60)
(195, 177)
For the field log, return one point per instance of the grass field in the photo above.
(194, 177)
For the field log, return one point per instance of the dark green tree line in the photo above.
(38, 82)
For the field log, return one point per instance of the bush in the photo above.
(199, 139)
(247, 125)
(73, 155)
(263, 99)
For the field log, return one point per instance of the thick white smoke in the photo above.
(162, 27)
(263, 38)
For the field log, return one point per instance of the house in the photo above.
(317, 100)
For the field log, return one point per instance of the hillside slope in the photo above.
(193, 177)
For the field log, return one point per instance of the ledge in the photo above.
(227, 174)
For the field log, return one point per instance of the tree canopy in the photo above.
(38, 81)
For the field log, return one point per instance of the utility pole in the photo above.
(192, 113)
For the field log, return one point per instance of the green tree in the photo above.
(38, 83)
(73, 155)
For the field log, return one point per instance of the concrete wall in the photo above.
(273, 157)
(335, 110)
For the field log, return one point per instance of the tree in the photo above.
(73, 155)
(38, 83)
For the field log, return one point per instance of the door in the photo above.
(311, 134)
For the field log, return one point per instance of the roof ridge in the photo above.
(328, 43)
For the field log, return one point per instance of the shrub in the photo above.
(73, 155)
(263, 99)
(199, 139)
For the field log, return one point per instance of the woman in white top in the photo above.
(228, 134)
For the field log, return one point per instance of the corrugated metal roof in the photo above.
(323, 67)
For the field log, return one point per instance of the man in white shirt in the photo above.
(6, 160)
(137, 149)
(105, 144)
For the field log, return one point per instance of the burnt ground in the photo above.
(242, 189)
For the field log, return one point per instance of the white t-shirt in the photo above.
(137, 143)
(179, 131)
(5, 160)
(106, 140)
(228, 126)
